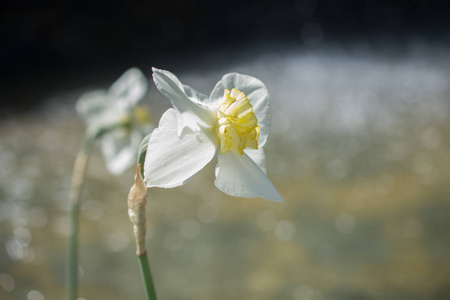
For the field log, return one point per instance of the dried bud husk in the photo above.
(137, 199)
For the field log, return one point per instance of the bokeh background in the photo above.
(359, 150)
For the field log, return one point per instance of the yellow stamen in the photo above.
(238, 128)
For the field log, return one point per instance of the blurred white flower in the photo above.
(232, 123)
(113, 114)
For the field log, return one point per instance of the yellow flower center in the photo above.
(139, 116)
(238, 128)
(142, 114)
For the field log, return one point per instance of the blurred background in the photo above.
(359, 150)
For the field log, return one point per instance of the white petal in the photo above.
(172, 160)
(129, 88)
(239, 176)
(257, 94)
(194, 95)
(91, 104)
(97, 111)
(192, 114)
(119, 148)
(258, 156)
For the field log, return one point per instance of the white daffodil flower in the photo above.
(114, 115)
(232, 123)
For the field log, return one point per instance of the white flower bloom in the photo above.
(114, 113)
(232, 123)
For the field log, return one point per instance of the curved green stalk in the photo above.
(79, 172)
(147, 277)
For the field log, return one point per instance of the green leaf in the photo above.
(143, 151)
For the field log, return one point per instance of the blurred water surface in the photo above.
(359, 151)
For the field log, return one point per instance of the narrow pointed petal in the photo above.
(194, 95)
(91, 105)
(239, 176)
(91, 102)
(259, 157)
(130, 87)
(257, 94)
(192, 114)
(98, 112)
(172, 160)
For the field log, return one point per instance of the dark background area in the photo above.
(65, 44)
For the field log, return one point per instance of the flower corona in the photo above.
(238, 128)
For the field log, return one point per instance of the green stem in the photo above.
(79, 172)
(147, 276)
(73, 253)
